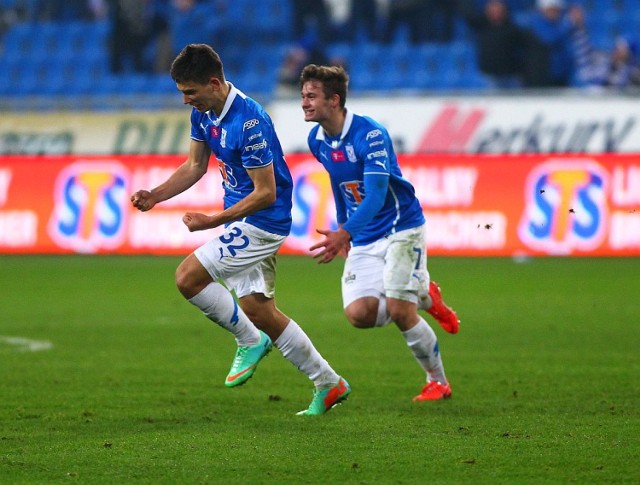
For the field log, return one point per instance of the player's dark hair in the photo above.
(335, 80)
(197, 63)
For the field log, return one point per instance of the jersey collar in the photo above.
(345, 129)
(233, 92)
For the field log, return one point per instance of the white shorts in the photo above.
(244, 257)
(395, 267)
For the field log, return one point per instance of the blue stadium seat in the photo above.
(367, 68)
(340, 50)
(24, 39)
(198, 25)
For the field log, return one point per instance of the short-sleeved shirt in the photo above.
(243, 138)
(364, 147)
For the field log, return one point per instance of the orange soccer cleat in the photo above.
(439, 310)
(433, 391)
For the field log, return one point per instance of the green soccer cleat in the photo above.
(325, 399)
(246, 361)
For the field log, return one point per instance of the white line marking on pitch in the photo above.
(25, 344)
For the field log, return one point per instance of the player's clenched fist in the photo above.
(196, 221)
(143, 200)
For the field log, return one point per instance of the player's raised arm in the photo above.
(184, 177)
(262, 196)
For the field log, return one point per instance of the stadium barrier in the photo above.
(560, 123)
(483, 205)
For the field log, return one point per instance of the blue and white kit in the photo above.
(243, 137)
(363, 156)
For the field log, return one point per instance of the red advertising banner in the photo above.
(475, 205)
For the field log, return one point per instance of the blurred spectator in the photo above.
(9, 16)
(550, 51)
(439, 19)
(591, 65)
(424, 20)
(307, 51)
(196, 22)
(618, 68)
(137, 25)
(68, 10)
(500, 43)
(364, 20)
(624, 65)
(407, 14)
(62, 10)
(311, 17)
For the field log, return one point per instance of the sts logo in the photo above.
(565, 207)
(90, 206)
(313, 205)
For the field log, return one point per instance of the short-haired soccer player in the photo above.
(381, 225)
(256, 219)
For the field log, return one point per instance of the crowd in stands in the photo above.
(385, 44)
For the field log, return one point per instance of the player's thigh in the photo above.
(260, 278)
(242, 252)
(405, 265)
(362, 274)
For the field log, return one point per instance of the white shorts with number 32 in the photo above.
(244, 257)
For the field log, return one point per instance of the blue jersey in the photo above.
(364, 147)
(243, 138)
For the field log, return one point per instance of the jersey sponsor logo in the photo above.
(565, 207)
(353, 191)
(90, 202)
(338, 156)
(255, 135)
(215, 132)
(373, 134)
(228, 178)
(376, 154)
(256, 146)
(250, 124)
(376, 143)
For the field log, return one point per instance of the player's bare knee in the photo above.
(359, 318)
(183, 282)
(191, 277)
(403, 313)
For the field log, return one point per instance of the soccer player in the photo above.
(256, 219)
(380, 225)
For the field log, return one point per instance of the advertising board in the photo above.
(533, 205)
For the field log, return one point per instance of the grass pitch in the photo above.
(544, 374)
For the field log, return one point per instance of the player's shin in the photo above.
(422, 341)
(219, 306)
(298, 349)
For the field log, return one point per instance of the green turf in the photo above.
(545, 376)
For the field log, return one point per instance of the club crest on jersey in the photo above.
(338, 156)
(351, 153)
(223, 138)
(215, 131)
